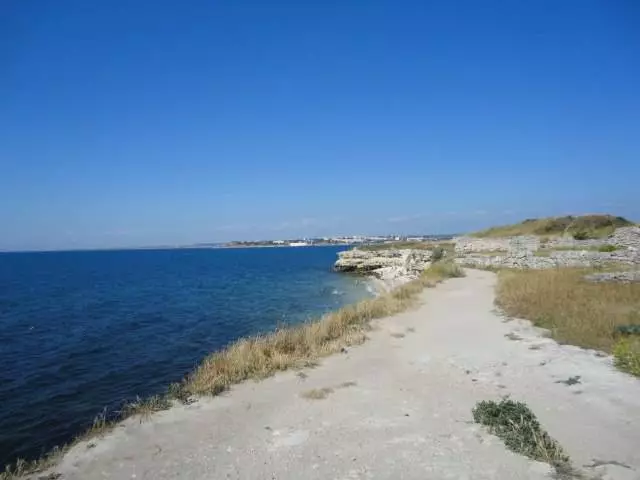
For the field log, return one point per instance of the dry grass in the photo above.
(417, 245)
(317, 393)
(23, 468)
(348, 384)
(100, 425)
(324, 392)
(301, 346)
(259, 357)
(546, 252)
(627, 355)
(490, 253)
(144, 408)
(575, 311)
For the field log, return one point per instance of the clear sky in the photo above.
(127, 123)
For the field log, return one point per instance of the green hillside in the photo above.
(582, 227)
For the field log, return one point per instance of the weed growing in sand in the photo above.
(437, 254)
(145, 407)
(348, 384)
(322, 393)
(575, 380)
(21, 467)
(517, 426)
(627, 355)
(317, 393)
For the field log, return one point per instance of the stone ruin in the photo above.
(520, 251)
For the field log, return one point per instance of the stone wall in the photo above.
(569, 258)
(523, 244)
(470, 245)
(570, 242)
(466, 245)
(618, 277)
(626, 237)
(520, 251)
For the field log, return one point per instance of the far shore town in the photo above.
(338, 240)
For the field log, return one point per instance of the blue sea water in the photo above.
(84, 331)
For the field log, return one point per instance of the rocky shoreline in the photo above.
(392, 267)
(387, 269)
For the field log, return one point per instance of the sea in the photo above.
(83, 332)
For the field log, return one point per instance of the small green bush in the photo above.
(627, 355)
(517, 426)
(581, 235)
(437, 254)
(631, 329)
(607, 248)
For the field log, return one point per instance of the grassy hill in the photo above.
(581, 227)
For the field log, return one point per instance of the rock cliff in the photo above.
(393, 265)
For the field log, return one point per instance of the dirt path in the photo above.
(397, 407)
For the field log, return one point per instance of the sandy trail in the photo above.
(400, 408)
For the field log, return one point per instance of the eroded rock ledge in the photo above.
(393, 266)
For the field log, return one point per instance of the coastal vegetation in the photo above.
(399, 245)
(258, 357)
(303, 345)
(413, 245)
(626, 353)
(591, 315)
(517, 426)
(580, 227)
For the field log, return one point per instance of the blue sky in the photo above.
(162, 122)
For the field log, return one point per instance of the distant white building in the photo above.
(298, 244)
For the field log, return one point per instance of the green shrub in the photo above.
(437, 254)
(631, 329)
(517, 426)
(586, 226)
(607, 248)
(581, 235)
(627, 355)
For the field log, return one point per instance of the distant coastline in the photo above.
(346, 241)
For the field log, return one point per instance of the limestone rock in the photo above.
(384, 264)
(621, 277)
(519, 251)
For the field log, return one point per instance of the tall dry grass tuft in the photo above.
(574, 310)
(302, 345)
